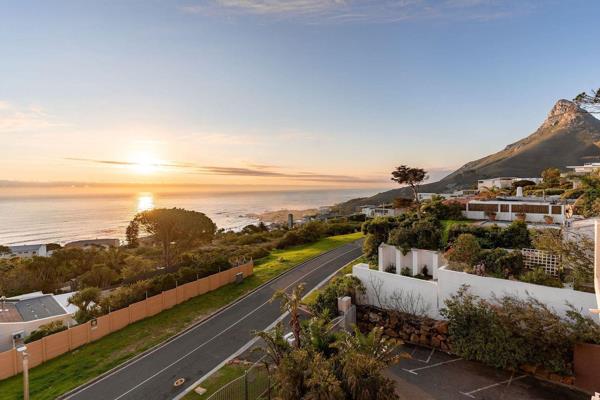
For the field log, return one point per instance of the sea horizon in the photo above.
(29, 219)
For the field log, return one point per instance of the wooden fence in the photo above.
(59, 343)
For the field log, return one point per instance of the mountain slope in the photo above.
(568, 136)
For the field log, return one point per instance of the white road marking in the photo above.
(412, 371)
(508, 382)
(423, 361)
(208, 341)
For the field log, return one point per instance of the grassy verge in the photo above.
(70, 370)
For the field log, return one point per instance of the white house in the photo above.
(585, 168)
(513, 208)
(502, 182)
(21, 315)
(381, 211)
(27, 251)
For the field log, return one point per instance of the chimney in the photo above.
(290, 221)
(519, 191)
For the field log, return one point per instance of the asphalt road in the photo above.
(199, 350)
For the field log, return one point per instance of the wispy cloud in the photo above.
(347, 11)
(254, 170)
(23, 119)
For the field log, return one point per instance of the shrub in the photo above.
(45, 330)
(465, 250)
(573, 194)
(501, 263)
(405, 271)
(510, 332)
(539, 277)
(326, 300)
(515, 236)
(421, 234)
(371, 246)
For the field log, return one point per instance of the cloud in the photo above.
(258, 170)
(24, 119)
(349, 11)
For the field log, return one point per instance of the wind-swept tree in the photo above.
(175, 229)
(413, 177)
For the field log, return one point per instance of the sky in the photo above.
(305, 93)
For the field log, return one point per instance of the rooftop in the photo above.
(30, 309)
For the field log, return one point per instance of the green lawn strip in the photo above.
(61, 374)
(449, 223)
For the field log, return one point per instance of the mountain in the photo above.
(568, 136)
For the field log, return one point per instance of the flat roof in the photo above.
(31, 309)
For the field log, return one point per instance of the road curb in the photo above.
(210, 316)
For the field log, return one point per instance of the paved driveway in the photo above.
(434, 375)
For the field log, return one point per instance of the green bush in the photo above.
(573, 194)
(326, 301)
(510, 332)
(45, 330)
(501, 263)
(539, 277)
(465, 250)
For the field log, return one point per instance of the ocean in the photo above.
(37, 219)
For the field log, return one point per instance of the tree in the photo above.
(515, 236)
(175, 229)
(4, 250)
(589, 101)
(576, 252)
(291, 303)
(132, 233)
(412, 177)
(87, 301)
(551, 176)
(99, 276)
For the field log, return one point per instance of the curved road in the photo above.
(204, 347)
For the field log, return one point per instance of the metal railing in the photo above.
(255, 384)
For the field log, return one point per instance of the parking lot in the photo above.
(431, 375)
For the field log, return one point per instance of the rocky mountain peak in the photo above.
(565, 113)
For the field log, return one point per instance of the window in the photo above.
(491, 207)
(530, 208)
(556, 210)
(504, 208)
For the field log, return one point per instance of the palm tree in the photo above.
(291, 304)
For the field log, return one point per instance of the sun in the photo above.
(145, 163)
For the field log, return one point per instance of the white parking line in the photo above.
(412, 371)
(508, 382)
(218, 334)
(424, 361)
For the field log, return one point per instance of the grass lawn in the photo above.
(228, 373)
(61, 374)
(449, 223)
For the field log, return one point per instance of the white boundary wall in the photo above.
(382, 287)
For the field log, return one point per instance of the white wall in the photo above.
(450, 281)
(385, 290)
(414, 259)
(8, 328)
(382, 287)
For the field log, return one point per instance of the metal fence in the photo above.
(255, 384)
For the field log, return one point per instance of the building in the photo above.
(27, 251)
(86, 244)
(585, 168)
(381, 211)
(447, 196)
(502, 182)
(21, 315)
(529, 209)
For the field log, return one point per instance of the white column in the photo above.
(415, 261)
(380, 257)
